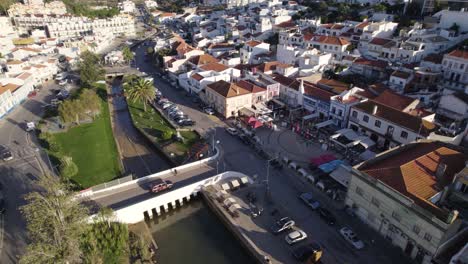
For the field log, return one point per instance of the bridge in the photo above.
(116, 71)
(132, 201)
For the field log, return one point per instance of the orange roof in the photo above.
(167, 14)
(411, 171)
(333, 85)
(9, 86)
(197, 77)
(202, 59)
(31, 49)
(253, 88)
(214, 66)
(394, 100)
(459, 53)
(362, 25)
(272, 65)
(39, 66)
(253, 43)
(332, 40)
(226, 89)
(286, 24)
(12, 62)
(24, 75)
(401, 74)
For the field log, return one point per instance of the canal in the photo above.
(193, 234)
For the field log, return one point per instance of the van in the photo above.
(303, 172)
(311, 178)
(294, 166)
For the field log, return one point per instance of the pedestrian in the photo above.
(175, 171)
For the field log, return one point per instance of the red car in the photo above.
(32, 94)
(159, 186)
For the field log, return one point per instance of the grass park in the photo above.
(92, 148)
(161, 132)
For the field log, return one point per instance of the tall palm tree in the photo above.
(140, 90)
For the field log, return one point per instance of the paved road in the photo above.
(16, 175)
(138, 157)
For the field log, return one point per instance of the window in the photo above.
(404, 134)
(333, 110)
(377, 123)
(416, 229)
(354, 114)
(462, 66)
(359, 191)
(390, 130)
(365, 119)
(375, 202)
(427, 237)
(396, 216)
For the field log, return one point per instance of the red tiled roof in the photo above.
(202, 59)
(394, 100)
(253, 88)
(220, 46)
(9, 86)
(434, 58)
(271, 66)
(362, 25)
(397, 117)
(286, 24)
(379, 41)
(412, 171)
(197, 77)
(214, 66)
(372, 63)
(226, 89)
(332, 40)
(332, 26)
(253, 43)
(401, 74)
(459, 53)
(335, 86)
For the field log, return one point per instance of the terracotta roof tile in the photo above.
(253, 88)
(226, 89)
(395, 116)
(411, 171)
(214, 66)
(197, 77)
(202, 59)
(394, 100)
(332, 40)
(253, 43)
(372, 63)
(333, 85)
(401, 74)
(380, 41)
(459, 53)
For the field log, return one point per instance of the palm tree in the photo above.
(140, 90)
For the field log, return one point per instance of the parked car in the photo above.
(295, 236)
(276, 164)
(282, 224)
(63, 82)
(303, 253)
(5, 153)
(180, 117)
(232, 131)
(326, 215)
(244, 139)
(255, 211)
(188, 122)
(349, 235)
(309, 201)
(171, 108)
(209, 110)
(160, 185)
(166, 105)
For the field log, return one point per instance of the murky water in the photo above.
(193, 234)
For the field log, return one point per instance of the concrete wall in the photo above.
(162, 203)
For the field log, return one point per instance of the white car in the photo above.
(295, 236)
(351, 237)
(209, 111)
(63, 82)
(232, 131)
(166, 105)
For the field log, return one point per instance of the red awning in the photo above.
(256, 124)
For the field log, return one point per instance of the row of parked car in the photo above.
(173, 112)
(249, 139)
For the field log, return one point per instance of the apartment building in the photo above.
(455, 70)
(340, 105)
(70, 28)
(331, 44)
(251, 49)
(399, 194)
(229, 98)
(388, 126)
(127, 6)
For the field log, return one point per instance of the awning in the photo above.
(247, 111)
(256, 124)
(308, 117)
(330, 166)
(324, 124)
(366, 155)
(342, 175)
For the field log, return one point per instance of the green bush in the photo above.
(167, 134)
(68, 168)
(54, 146)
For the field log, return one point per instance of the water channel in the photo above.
(193, 234)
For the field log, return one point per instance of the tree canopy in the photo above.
(89, 68)
(86, 107)
(82, 9)
(5, 5)
(127, 54)
(55, 222)
(140, 90)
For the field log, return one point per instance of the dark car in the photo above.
(188, 123)
(244, 139)
(303, 253)
(276, 164)
(327, 216)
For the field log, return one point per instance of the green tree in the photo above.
(127, 54)
(89, 68)
(106, 241)
(55, 222)
(379, 8)
(91, 102)
(5, 5)
(140, 90)
(68, 168)
(139, 249)
(150, 50)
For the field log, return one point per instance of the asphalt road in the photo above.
(16, 175)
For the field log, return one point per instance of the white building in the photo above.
(448, 17)
(455, 70)
(150, 4)
(251, 49)
(127, 6)
(334, 45)
(399, 194)
(340, 105)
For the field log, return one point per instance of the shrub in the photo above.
(68, 168)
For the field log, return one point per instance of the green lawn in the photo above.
(93, 149)
(160, 130)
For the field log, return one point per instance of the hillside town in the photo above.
(359, 109)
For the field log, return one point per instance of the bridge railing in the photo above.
(128, 180)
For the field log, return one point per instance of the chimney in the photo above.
(374, 109)
(440, 171)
